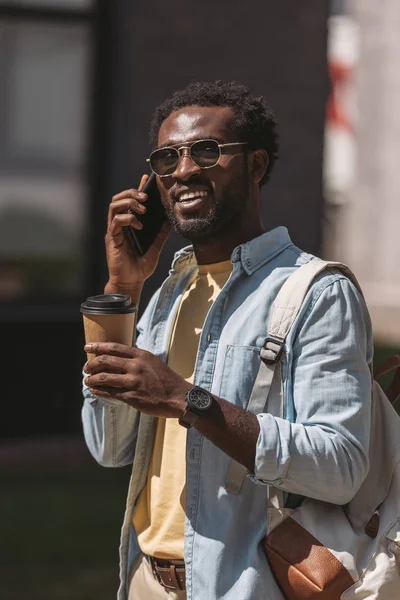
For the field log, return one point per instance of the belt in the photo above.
(169, 573)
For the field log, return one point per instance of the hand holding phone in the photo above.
(131, 261)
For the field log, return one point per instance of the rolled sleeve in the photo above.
(110, 429)
(272, 460)
(324, 453)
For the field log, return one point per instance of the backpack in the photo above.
(320, 550)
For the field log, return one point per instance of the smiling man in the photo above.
(175, 404)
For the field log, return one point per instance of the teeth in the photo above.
(190, 195)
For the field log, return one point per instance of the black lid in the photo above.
(104, 304)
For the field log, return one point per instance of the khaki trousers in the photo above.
(144, 586)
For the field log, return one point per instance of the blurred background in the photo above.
(79, 80)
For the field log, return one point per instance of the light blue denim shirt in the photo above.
(319, 450)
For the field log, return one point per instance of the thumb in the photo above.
(142, 182)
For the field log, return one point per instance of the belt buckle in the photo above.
(158, 576)
(155, 571)
(173, 576)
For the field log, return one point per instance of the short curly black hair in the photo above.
(254, 120)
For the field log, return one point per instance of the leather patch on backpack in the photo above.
(303, 567)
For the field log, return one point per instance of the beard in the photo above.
(229, 204)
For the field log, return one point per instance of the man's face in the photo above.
(220, 192)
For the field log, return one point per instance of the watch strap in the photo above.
(188, 418)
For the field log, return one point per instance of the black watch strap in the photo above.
(188, 419)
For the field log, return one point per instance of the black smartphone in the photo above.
(152, 219)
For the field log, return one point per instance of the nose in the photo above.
(186, 168)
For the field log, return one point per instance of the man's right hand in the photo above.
(127, 269)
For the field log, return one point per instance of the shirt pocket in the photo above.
(241, 364)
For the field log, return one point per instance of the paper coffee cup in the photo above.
(109, 318)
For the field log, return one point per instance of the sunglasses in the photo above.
(204, 153)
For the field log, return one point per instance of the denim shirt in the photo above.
(319, 450)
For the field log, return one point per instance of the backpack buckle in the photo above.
(272, 349)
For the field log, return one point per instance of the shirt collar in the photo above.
(262, 249)
(252, 254)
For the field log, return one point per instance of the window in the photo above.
(45, 69)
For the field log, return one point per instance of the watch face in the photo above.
(199, 399)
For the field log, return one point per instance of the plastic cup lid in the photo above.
(105, 304)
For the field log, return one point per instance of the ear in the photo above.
(258, 164)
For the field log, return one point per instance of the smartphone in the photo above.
(152, 219)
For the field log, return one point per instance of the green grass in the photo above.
(60, 532)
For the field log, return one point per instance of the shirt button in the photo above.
(209, 338)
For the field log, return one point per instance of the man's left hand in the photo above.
(137, 378)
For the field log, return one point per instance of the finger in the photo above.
(117, 237)
(131, 193)
(123, 206)
(112, 348)
(114, 394)
(110, 380)
(120, 221)
(131, 200)
(135, 206)
(107, 363)
(143, 181)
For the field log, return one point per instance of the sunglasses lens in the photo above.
(164, 161)
(205, 153)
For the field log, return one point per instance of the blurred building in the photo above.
(48, 77)
(79, 80)
(45, 75)
(361, 167)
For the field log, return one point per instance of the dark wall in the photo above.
(41, 379)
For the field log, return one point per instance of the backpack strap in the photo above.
(267, 386)
(390, 364)
(291, 295)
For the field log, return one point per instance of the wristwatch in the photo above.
(198, 401)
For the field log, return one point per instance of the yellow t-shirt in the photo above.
(159, 518)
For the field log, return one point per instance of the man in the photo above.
(185, 535)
